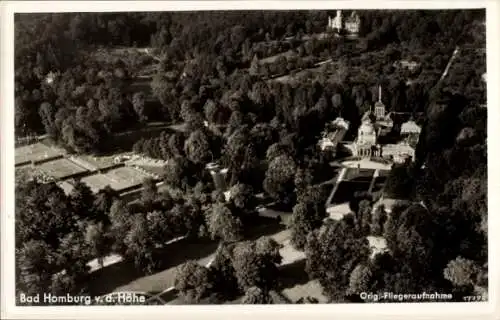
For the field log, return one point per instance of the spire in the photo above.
(379, 93)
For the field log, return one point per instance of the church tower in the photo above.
(379, 105)
(338, 21)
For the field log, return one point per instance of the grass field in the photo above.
(35, 152)
(60, 168)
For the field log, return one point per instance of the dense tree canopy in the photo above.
(252, 92)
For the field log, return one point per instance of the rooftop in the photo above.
(410, 127)
(388, 203)
(397, 149)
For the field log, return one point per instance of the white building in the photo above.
(349, 25)
(410, 127)
(366, 141)
(332, 138)
(352, 23)
(388, 204)
(399, 153)
(336, 22)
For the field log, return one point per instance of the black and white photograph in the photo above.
(249, 157)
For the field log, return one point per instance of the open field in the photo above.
(60, 168)
(36, 152)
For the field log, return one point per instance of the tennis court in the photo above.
(97, 182)
(119, 179)
(125, 177)
(60, 168)
(35, 152)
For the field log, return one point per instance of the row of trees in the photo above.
(57, 234)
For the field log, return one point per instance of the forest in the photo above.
(204, 71)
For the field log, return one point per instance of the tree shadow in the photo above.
(273, 226)
(109, 278)
(293, 274)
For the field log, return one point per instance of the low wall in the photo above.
(52, 158)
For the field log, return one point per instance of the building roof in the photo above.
(379, 104)
(340, 122)
(367, 128)
(410, 127)
(337, 212)
(377, 245)
(397, 149)
(388, 203)
(367, 116)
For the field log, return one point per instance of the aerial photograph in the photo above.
(250, 157)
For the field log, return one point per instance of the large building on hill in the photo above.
(344, 25)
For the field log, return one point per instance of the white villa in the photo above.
(349, 25)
